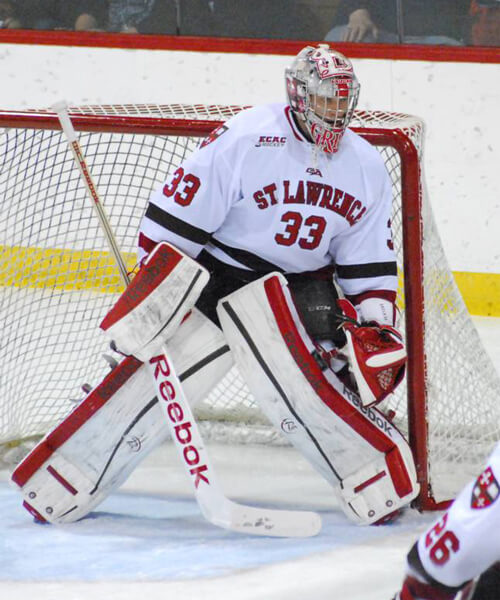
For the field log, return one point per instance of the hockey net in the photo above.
(57, 280)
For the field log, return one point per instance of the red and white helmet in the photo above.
(323, 92)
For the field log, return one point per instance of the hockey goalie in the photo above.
(269, 248)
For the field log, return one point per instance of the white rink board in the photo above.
(458, 102)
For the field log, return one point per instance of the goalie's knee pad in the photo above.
(95, 448)
(316, 303)
(356, 449)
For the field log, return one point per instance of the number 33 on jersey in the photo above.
(257, 195)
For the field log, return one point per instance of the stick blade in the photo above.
(275, 523)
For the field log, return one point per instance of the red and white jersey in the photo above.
(466, 540)
(257, 195)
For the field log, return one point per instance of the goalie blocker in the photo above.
(356, 449)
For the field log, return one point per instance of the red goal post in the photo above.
(57, 281)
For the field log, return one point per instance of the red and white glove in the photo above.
(377, 355)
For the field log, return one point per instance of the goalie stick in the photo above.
(214, 505)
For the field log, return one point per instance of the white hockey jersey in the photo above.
(257, 195)
(465, 541)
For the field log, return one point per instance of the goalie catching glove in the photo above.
(377, 355)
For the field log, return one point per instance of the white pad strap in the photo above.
(356, 449)
(154, 304)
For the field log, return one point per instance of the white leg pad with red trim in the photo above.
(355, 448)
(96, 447)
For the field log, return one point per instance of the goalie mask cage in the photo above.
(57, 281)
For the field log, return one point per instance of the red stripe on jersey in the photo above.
(82, 413)
(158, 267)
(335, 401)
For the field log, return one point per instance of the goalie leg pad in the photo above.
(96, 447)
(355, 448)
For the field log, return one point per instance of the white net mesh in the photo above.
(57, 281)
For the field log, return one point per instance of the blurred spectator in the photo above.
(8, 15)
(448, 22)
(405, 21)
(144, 16)
(485, 29)
(294, 19)
(62, 14)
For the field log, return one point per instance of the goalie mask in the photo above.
(323, 92)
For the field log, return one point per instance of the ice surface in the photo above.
(150, 541)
